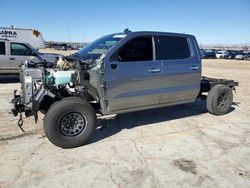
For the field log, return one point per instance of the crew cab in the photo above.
(13, 54)
(117, 73)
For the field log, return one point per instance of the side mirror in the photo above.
(34, 54)
(28, 53)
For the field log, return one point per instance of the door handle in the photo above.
(114, 66)
(194, 67)
(12, 58)
(154, 70)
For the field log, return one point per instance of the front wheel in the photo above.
(69, 123)
(219, 100)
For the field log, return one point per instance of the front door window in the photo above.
(19, 49)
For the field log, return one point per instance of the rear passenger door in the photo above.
(181, 68)
(4, 59)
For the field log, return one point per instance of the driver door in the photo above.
(133, 76)
(19, 53)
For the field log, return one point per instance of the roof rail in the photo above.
(4, 39)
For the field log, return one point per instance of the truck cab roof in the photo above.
(158, 33)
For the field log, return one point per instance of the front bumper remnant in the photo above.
(32, 93)
(18, 109)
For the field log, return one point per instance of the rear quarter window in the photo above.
(172, 48)
(2, 48)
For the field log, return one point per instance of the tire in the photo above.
(69, 123)
(219, 100)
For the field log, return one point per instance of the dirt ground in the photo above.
(181, 146)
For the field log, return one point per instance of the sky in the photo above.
(211, 21)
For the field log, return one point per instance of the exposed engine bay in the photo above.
(45, 83)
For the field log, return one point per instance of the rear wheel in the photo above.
(219, 100)
(69, 123)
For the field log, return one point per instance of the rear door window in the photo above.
(20, 49)
(2, 48)
(172, 48)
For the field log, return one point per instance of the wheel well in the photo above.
(46, 103)
(90, 94)
(93, 98)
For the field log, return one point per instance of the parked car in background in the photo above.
(247, 56)
(240, 56)
(225, 54)
(209, 55)
(221, 54)
(13, 54)
(230, 55)
(203, 53)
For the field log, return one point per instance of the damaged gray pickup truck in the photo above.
(117, 73)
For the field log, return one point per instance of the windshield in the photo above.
(95, 49)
